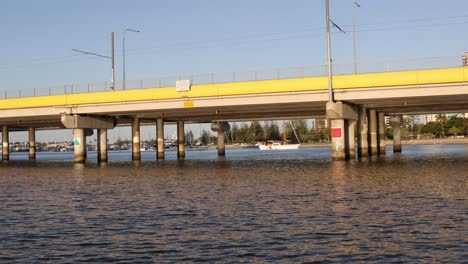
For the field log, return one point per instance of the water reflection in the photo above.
(245, 207)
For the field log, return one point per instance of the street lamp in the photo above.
(103, 56)
(329, 60)
(123, 47)
(356, 5)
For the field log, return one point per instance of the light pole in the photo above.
(329, 60)
(123, 49)
(103, 56)
(356, 5)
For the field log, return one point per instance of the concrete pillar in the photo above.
(5, 143)
(160, 138)
(102, 145)
(32, 143)
(136, 154)
(180, 140)
(382, 134)
(395, 121)
(373, 146)
(338, 139)
(221, 146)
(351, 138)
(363, 146)
(79, 145)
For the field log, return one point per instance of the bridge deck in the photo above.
(372, 80)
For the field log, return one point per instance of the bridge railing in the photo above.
(245, 76)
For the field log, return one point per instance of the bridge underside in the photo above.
(390, 100)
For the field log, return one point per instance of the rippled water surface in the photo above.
(252, 207)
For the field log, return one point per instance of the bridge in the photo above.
(362, 100)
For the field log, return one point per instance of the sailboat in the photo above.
(272, 145)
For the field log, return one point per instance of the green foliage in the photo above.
(261, 131)
(446, 126)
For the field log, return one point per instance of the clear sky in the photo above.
(189, 37)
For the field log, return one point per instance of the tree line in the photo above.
(441, 128)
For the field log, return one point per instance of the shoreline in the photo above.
(435, 141)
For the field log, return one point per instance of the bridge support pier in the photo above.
(362, 134)
(351, 138)
(221, 146)
(395, 121)
(79, 145)
(343, 119)
(136, 153)
(5, 143)
(160, 138)
(180, 140)
(102, 145)
(220, 128)
(373, 148)
(382, 142)
(32, 143)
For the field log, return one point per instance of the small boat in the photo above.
(270, 145)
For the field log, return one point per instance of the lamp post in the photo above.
(103, 56)
(356, 5)
(329, 60)
(123, 53)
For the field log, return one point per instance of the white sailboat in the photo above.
(272, 145)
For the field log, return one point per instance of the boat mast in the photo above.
(294, 130)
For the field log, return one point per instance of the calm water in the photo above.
(251, 207)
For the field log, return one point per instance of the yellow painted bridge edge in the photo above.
(370, 80)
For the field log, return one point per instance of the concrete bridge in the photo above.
(362, 100)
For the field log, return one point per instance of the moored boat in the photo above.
(270, 145)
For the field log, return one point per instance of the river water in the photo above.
(249, 207)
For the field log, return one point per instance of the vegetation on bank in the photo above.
(443, 127)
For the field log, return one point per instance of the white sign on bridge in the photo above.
(183, 85)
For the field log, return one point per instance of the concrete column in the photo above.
(102, 145)
(362, 133)
(180, 140)
(5, 143)
(395, 121)
(373, 146)
(79, 145)
(160, 138)
(338, 139)
(221, 146)
(136, 154)
(32, 143)
(382, 141)
(351, 138)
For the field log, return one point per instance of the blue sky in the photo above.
(189, 37)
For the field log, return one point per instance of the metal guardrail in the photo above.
(245, 76)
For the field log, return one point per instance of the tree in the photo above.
(272, 131)
(189, 138)
(205, 137)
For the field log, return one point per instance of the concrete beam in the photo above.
(339, 140)
(220, 126)
(395, 121)
(78, 121)
(180, 140)
(102, 145)
(351, 138)
(373, 148)
(363, 131)
(32, 143)
(5, 143)
(340, 110)
(136, 153)
(79, 145)
(160, 138)
(382, 142)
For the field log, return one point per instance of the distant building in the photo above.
(430, 118)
